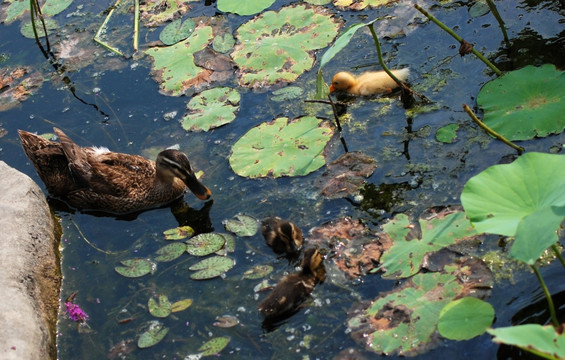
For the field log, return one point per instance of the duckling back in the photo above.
(378, 82)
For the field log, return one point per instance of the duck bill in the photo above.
(332, 89)
(197, 188)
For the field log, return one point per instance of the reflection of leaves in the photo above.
(346, 174)
(27, 28)
(17, 85)
(211, 108)
(281, 148)
(276, 45)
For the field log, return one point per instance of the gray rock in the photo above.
(30, 279)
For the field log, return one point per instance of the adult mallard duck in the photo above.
(283, 236)
(94, 178)
(291, 292)
(368, 83)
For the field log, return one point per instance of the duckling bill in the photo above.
(291, 292)
(93, 178)
(368, 83)
(283, 236)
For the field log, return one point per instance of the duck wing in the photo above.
(77, 159)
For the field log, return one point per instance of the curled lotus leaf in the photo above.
(156, 332)
(211, 267)
(211, 108)
(205, 244)
(170, 252)
(214, 346)
(134, 267)
(281, 147)
(525, 103)
(277, 46)
(159, 308)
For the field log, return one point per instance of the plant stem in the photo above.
(491, 131)
(554, 319)
(558, 254)
(136, 25)
(97, 36)
(380, 56)
(458, 38)
(498, 18)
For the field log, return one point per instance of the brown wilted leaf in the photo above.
(16, 85)
(465, 48)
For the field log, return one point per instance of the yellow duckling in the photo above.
(98, 179)
(291, 292)
(283, 236)
(368, 83)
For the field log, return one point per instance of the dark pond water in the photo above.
(125, 113)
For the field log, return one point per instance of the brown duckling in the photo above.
(283, 236)
(368, 83)
(93, 178)
(291, 292)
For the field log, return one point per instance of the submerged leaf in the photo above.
(211, 267)
(134, 267)
(447, 134)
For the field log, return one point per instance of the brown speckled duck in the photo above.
(291, 292)
(283, 236)
(93, 178)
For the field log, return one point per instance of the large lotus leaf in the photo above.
(405, 256)
(174, 67)
(465, 318)
(211, 108)
(211, 267)
(155, 333)
(277, 45)
(281, 148)
(543, 341)
(525, 199)
(244, 7)
(525, 103)
(360, 4)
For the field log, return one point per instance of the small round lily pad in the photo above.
(242, 225)
(155, 333)
(170, 252)
(159, 308)
(211, 267)
(134, 267)
(178, 233)
(214, 346)
(177, 31)
(465, 318)
(205, 244)
(447, 134)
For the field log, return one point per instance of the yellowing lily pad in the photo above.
(159, 308)
(134, 267)
(211, 108)
(211, 267)
(277, 46)
(178, 233)
(181, 305)
(170, 252)
(360, 4)
(282, 147)
(205, 244)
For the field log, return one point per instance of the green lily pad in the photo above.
(229, 245)
(287, 93)
(360, 4)
(159, 308)
(211, 109)
(281, 147)
(170, 252)
(525, 103)
(465, 318)
(242, 225)
(524, 199)
(54, 7)
(244, 7)
(155, 333)
(408, 249)
(17, 8)
(258, 272)
(211, 267)
(223, 43)
(543, 341)
(447, 134)
(181, 305)
(214, 346)
(27, 28)
(134, 267)
(277, 46)
(177, 31)
(178, 233)
(174, 67)
(205, 244)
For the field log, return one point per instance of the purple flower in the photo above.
(75, 312)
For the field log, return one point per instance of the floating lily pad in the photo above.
(294, 31)
(157, 12)
(17, 8)
(258, 272)
(170, 252)
(242, 225)
(27, 28)
(134, 267)
(524, 199)
(345, 175)
(181, 305)
(410, 243)
(360, 4)
(465, 318)
(211, 109)
(226, 321)
(155, 333)
(229, 245)
(525, 103)
(159, 308)
(177, 31)
(211, 267)
(223, 42)
(447, 134)
(214, 346)
(54, 7)
(244, 7)
(178, 233)
(281, 147)
(543, 341)
(205, 244)
(174, 67)
(17, 85)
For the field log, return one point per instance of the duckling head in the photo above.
(173, 163)
(283, 236)
(313, 263)
(342, 81)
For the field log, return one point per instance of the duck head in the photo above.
(173, 163)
